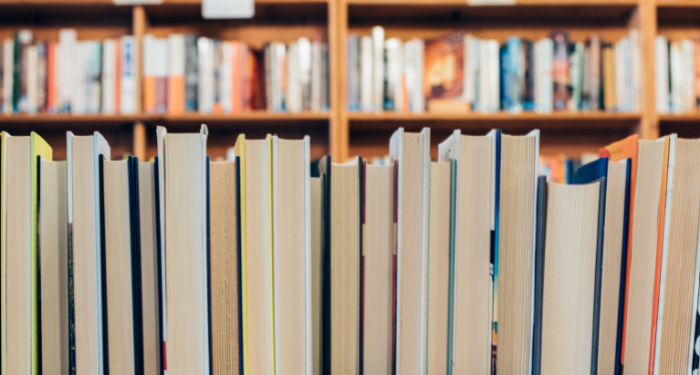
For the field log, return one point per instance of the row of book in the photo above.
(68, 76)
(677, 75)
(461, 72)
(184, 72)
(468, 264)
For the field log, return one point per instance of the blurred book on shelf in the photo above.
(186, 73)
(68, 75)
(462, 73)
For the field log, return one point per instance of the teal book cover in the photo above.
(451, 298)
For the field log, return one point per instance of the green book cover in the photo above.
(39, 148)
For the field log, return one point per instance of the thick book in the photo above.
(224, 262)
(119, 198)
(257, 289)
(572, 263)
(86, 257)
(513, 251)
(678, 277)
(474, 220)
(53, 242)
(186, 244)
(22, 257)
(616, 152)
(378, 269)
(342, 249)
(411, 153)
(642, 255)
(439, 268)
(611, 283)
(291, 255)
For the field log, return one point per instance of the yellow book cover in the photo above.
(39, 148)
(3, 208)
(240, 153)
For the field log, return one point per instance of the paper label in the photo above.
(218, 9)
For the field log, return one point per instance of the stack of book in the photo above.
(468, 264)
(461, 72)
(677, 75)
(68, 76)
(184, 72)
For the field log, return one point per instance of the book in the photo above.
(186, 244)
(176, 73)
(411, 152)
(109, 76)
(53, 258)
(191, 69)
(439, 258)
(378, 70)
(122, 252)
(151, 265)
(609, 78)
(642, 255)
(148, 71)
(516, 188)
(160, 60)
(560, 70)
(317, 233)
(3, 250)
(678, 276)
(543, 81)
(127, 69)
(22, 258)
(613, 256)
(291, 255)
(256, 255)
(474, 184)
(572, 258)
(224, 263)
(86, 250)
(342, 196)
(378, 270)
(661, 74)
(443, 67)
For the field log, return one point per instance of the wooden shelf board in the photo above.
(553, 3)
(529, 116)
(686, 117)
(90, 119)
(678, 4)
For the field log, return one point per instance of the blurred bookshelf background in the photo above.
(585, 72)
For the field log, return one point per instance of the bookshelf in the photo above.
(338, 131)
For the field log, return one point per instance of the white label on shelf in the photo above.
(228, 9)
(137, 2)
(491, 2)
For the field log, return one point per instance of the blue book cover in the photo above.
(503, 74)
(494, 244)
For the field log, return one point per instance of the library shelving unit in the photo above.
(338, 131)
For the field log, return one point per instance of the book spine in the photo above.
(216, 75)
(366, 74)
(42, 63)
(205, 84)
(226, 77)
(149, 79)
(176, 74)
(118, 77)
(576, 75)
(95, 83)
(528, 72)
(512, 85)
(160, 59)
(688, 75)
(696, 45)
(635, 69)
(378, 76)
(661, 73)
(236, 76)
(7, 73)
(418, 97)
(108, 76)
(127, 101)
(351, 73)
(80, 79)
(560, 70)
(609, 78)
(494, 90)
(191, 73)
(316, 75)
(30, 78)
(595, 76)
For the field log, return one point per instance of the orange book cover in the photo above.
(659, 256)
(176, 94)
(149, 94)
(236, 76)
(51, 77)
(443, 72)
(626, 148)
(118, 74)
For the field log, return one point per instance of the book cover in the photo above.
(540, 236)
(443, 67)
(527, 74)
(620, 150)
(3, 249)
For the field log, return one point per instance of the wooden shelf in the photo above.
(686, 117)
(527, 116)
(60, 120)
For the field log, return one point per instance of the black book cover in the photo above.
(528, 84)
(540, 236)
(135, 227)
(324, 168)
(102, 265)
(160, 264)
